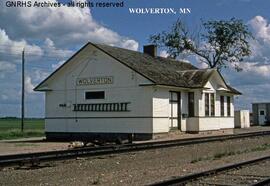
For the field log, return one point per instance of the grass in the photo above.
(10, 128)
(220, 155)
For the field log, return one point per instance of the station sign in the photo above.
(102, 80)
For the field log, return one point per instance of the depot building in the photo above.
(108, 91)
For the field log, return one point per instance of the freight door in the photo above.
(175, 110)
(262, 116)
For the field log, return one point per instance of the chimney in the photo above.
(150, 50)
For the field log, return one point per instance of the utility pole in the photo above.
(22, 104)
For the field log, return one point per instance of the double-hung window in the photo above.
(191, 104)
(228, 106)
(212, 104)
(207, 104)
(221, 105)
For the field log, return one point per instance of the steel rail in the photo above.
(183, 180)
(9, 160)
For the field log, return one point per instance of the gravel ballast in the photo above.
(139, 168)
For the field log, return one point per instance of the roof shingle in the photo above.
(163, 71)
(159, 70)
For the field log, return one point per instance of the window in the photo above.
(228, 106)
(95, 95)
(261, 112)
(212, 104)
(221, 105)
(174, 96)
(191, 104)
(206, 104)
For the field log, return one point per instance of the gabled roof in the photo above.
(159, 70)
(233, 90)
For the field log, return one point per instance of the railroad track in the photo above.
(255, 172)
(36, 158)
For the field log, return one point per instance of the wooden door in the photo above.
(175, 110)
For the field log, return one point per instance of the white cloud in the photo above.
(261, 28)
(9, 95)
(255, 68)
(130, 44)
(261, 45)
(259, 61)
(200, 63)
(13, 47)
(39, 75)
(7, 67)
(50, 49)
(55, 66)
(28, 85)
(163, 53)
(66, 26)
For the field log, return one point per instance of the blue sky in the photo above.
(51, 35)
(138, 26)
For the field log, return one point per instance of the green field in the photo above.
(10, 128)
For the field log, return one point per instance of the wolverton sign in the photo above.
(95, 80)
